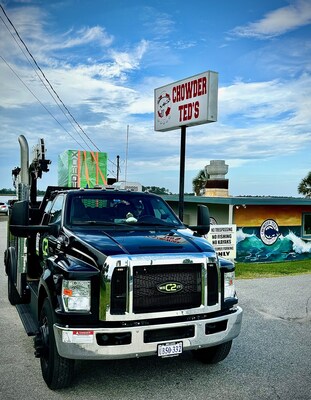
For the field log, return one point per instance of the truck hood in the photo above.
(144, 242)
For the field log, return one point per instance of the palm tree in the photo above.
(199, 182)
(304, 186)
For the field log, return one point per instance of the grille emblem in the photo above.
(170, 287)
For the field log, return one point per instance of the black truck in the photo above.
(99, 274)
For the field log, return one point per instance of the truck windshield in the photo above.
(111, 209)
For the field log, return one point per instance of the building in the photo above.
(268, 228)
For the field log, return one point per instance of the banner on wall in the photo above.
(223, 239)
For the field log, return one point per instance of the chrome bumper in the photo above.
(81, 344)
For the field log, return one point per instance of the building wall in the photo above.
(265, 233)
(253, 215)
(271, 233)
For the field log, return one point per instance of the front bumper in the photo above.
(82, 344)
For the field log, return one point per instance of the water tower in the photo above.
(216, 184)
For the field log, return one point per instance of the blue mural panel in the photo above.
(286, 246)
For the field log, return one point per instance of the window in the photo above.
(161, 211)
(56, 209)
(306, 225)
(110, 208)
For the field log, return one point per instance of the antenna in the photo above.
(126, 152)
(118, 167)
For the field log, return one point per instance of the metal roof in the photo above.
(247, 200)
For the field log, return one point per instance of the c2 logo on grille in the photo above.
(170, 287)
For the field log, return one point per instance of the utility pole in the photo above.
(118, 167)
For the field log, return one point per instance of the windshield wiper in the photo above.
(158, 224)
(153, 223)
(93, 222)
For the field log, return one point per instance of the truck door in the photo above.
(52, 215)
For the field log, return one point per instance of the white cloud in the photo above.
(261, 101)
(95, 34)
(48, 49)
(159, 23)
(278, 22)
(127, 61)
(183, 44)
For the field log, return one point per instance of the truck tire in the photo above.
(13, 295)
(6, 261)
(213, 355)
(57, 371)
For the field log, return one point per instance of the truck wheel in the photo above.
(6, 261)
(13, 295)
(213, 355)
(56, 370)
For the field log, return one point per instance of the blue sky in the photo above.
(104, 58)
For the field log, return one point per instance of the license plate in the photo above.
(169, 349)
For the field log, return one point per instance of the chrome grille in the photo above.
(148, 279)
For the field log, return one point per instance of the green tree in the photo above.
(304, 186)
(156, 190)
(7, 191)
(199, 182)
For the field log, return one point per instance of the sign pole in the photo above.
(182, 172)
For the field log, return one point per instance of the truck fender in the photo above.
(50, 285)
(226, 264)
(46, 289)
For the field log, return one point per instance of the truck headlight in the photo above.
(229, 284)
(76, 295)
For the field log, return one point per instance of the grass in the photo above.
(268, 270)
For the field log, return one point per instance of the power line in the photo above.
(44, 84)
(48, 82)
(46, 109)
(47, 88)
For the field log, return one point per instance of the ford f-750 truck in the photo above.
(99, 274)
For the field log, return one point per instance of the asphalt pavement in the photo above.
(271, 359)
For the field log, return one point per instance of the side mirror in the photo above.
(19, 221)
(203, 220)
(20, 213)
(53, 229)
(19, 218)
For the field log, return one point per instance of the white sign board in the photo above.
(223, 239)
(192, 101)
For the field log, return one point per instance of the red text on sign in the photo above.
(188, 111)
(188, 90)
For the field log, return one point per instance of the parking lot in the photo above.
(271, 359)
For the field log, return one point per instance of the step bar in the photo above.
(30, 325)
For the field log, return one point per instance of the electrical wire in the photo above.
(47, 87)
(46, 79)
(46, 109)
(42, 81)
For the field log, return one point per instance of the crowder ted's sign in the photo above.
(191, 101)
